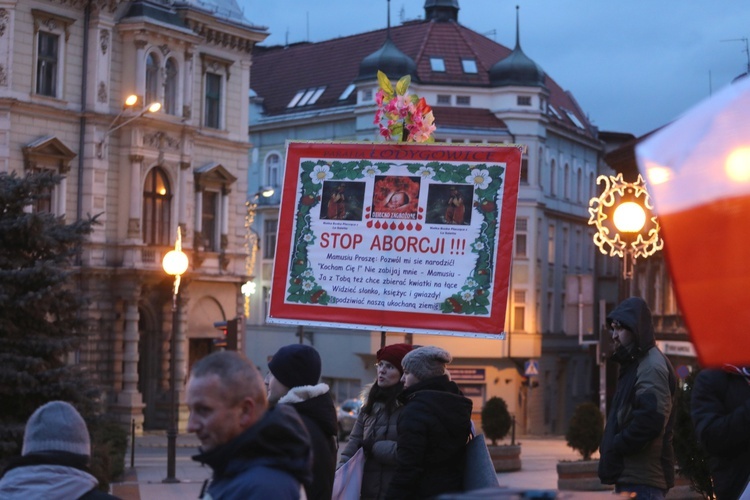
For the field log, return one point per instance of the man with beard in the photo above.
(636, 450)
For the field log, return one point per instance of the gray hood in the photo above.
(51, 482)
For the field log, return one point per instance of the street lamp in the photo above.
(252, 241)
(624, 228)
(175, 263)
(130, 102)
(624, 225)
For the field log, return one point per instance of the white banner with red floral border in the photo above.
(396, 237)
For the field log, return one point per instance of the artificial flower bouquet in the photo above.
(401, 116)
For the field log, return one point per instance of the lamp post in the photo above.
(175, 263)
(625, 228)
(252, 242)
(130, 102)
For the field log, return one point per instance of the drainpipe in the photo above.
(82, 119)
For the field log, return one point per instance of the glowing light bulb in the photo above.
(629, 217)
(737, 165)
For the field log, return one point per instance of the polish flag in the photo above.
(698, 171)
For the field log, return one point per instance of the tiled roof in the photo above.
(279, 73)
(447, 116)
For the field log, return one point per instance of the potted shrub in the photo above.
(584, 435)
(496, 423)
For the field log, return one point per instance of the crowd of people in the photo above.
(277, 437)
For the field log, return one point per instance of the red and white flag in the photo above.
(698, 171)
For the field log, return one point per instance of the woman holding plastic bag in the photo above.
(374, 431)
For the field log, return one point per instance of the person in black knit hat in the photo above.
(293, 379)
(55, 457)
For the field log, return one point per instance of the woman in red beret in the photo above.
(375, 429)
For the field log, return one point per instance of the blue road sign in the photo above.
(531, 368)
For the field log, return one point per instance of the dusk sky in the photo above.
(632, 65)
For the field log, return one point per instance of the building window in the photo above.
(43, 203)
(269, 238)
(157, 199)
(469, 66)
(47, 64)
(209, 218)
(51, 33)
(152, 79)
(213, 185)
(347, 92)
(550, 312)
(367, 95)
(551, 244)
(579, 185)
(170, 87)
(444, 99)
(521, 236)
(566, 248)
(212, 118)
(463, 100)
(519, 310)
(52, 155)
(524, 169)
(566, 181)
(539, 167)
(437, 64)
(273, 162)
(552, 175)
(523, 100)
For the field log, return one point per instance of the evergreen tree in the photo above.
(40, 310)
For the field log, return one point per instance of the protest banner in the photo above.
(396, 237)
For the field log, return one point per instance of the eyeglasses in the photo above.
(616, 325)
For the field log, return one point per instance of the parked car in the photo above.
(347, 415)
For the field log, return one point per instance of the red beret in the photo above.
(394, 353)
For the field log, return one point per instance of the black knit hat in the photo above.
(296, 365)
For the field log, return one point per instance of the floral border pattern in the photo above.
(474, 295)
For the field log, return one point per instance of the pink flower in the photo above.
(400, 114)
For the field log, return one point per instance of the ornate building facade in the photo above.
(66, 68)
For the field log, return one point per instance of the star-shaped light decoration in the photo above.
(633, 239)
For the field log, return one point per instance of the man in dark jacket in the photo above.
(636, 450)
(720, 407)
(294, 373)
(254, 452)
(433, 428)
(55, 457)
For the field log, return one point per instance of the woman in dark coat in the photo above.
(433, 428)
(375, 429)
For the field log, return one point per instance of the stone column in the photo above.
(129, 401)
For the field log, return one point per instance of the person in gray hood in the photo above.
(55, 458)
(636, 453)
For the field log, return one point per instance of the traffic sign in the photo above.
(531, 368)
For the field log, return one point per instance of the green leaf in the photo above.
(403, 85)
(385, 83)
